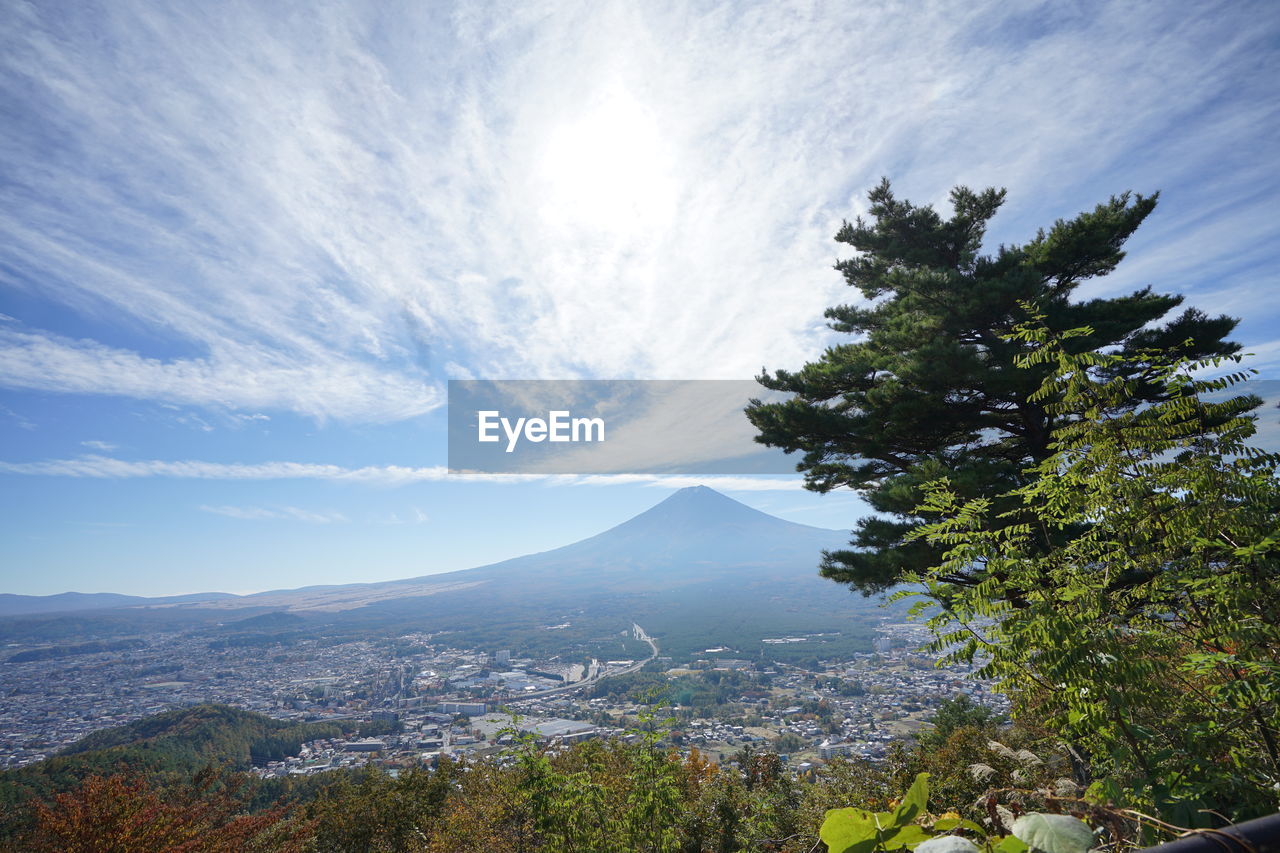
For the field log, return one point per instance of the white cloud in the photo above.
(21, 421)
(413, 516)
(322, 215)
(104, 467)
(250, 379)
(104, 446)
(286, 513)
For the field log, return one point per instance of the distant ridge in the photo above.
(70, 602)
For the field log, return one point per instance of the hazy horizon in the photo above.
(659, 503)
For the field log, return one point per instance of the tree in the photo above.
(788, 742)
(931, 386)
(127, 813)
(957, 712)
(378, 812)
(1150, 639)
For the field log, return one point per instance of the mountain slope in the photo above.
(695, 535)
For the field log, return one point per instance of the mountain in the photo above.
(694, 535)
(695, 527)
(698, 569)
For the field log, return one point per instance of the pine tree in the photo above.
(930, 387)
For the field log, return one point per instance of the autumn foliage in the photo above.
(122, 814)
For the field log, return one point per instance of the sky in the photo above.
(243, 247)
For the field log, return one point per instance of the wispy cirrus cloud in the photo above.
(329, 212)
(413, 516)
(286, 513)
(105, 467)
(18, 420)
(324, 388)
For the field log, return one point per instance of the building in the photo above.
(467, 709)
(369, 745)
(566, 731)
(828, 750)
(732, 663)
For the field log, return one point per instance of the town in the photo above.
(414, 699)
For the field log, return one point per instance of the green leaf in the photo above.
(1054, 833)
(905, 836)
(913, 802)
(1011, 844)
(849, 831)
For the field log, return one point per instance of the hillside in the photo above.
(168, 745)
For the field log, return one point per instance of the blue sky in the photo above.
(245, 245)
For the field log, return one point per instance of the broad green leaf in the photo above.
(849, 831)
(913, 802)
(1011, 844)
(1054, 833)
(908, 836)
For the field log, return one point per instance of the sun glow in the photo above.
(608, 169)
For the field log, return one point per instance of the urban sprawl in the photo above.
(422, 700)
